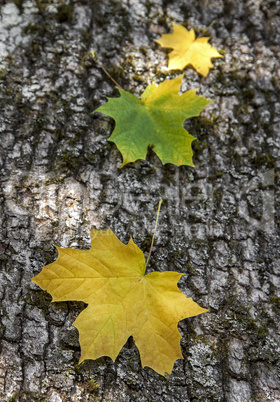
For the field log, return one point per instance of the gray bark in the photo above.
(60, 177)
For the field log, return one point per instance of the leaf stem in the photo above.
(206, 29)
(94, 55)
(150, 252)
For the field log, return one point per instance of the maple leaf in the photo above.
(154, 120)
(122, 300)
(188, 50)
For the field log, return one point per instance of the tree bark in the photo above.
(60, 177)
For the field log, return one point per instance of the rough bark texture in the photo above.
(59, 177)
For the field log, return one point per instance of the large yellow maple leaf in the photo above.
(188, 50)
(122, 300)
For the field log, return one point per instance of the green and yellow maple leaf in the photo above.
(122, 300)
(154, 120)
(188, 50)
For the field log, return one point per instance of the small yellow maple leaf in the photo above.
(188, 50)
(122, 300)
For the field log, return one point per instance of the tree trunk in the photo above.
(60, 177)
